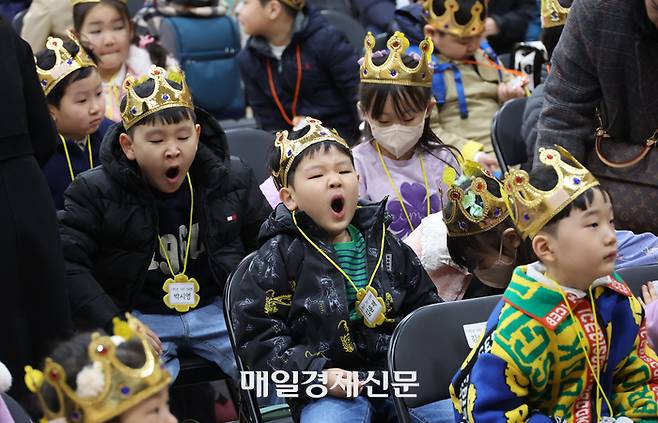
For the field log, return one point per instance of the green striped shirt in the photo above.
(352, 259)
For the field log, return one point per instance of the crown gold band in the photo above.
(64, 65)
(448, 23)
(553, 14)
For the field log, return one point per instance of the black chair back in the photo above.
(637, 276)
(508, 143)
(253, 146)
(353, 30)
(17, 22)
(432, 342)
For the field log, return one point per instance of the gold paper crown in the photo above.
(74, 2)
(393, 70)
(530, 207)
(106, 387)
(64, 63)
(553, 14)
(290, 149)
(472, 210)
(448, 23)
(164, 96)
(295, 4)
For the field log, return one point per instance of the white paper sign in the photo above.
(181, 293)
(473, 332)
(370, 308)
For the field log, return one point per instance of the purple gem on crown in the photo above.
(576, 180)
(44, 82)
(393, 72)
(133, 110)
(526, 216)
(70, 61)
(365, 72)
(462, 225)
(125, 390)
(496, 212)
(75, 416)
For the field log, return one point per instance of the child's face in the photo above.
(451, 46)
(81, 108)
(164, 152)
(583, 246)
(254, 17)
(109, 34)
(153, 410)
(326, 187)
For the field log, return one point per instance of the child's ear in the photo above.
(511, 238)
(430, 106)
(54, 112)
(543, 248)
(287, 197)
(127, 146)
(429, 31)
(273, 9)
(197, 131)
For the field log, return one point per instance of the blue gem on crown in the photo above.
(165, 97)
(125, 390)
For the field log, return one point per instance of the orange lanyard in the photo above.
(496, 66)
(298, 85)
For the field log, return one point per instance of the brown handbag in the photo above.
(631, 179)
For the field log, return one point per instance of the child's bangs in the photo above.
(404, 99)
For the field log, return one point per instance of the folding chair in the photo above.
(272, 414)
(508, 143)
(432, 341)
(637, 276)
(253, 146)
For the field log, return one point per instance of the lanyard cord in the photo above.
(582, 345)
(189, 235)
(395, 188)
(372, 276)
(298, 85)
(68, 158)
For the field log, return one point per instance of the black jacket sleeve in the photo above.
(256, 208)
(512, 19)
(78, 225)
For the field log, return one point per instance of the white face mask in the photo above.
(397, 139)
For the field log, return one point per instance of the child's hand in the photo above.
(510, 90)
(487, 160)
(153, 339)
(649, 294)
(342, 384)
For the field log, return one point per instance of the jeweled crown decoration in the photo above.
(531, 208)
(164, 95)
(471, 208)
(393, 70)
(74, 2)
(290, 149)
(553, 13)
(106, 387)
(449, 24)
(64, 65)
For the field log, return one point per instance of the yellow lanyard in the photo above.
(595, 374)
(372, 276)
(189, 234)
(68, 158)
(395, 188)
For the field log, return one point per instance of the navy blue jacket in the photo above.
(330, 76)
(57, 170)
(410, 21)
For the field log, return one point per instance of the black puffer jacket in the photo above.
(314, 332)
(109, 222)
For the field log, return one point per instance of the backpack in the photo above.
(206, 49)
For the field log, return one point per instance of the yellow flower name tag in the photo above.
(181, 293)
(371, 307)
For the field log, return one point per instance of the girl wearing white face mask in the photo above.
(403, 159)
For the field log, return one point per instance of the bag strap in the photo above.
(602, 134)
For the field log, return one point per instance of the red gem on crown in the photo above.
(54, 374)
(549, 156)
(518, 180)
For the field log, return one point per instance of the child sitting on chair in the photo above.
(469, 85)
(329, 284)
(568, 341)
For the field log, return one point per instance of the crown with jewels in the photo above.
(290, 149)
(553, 13)
(393, 70)
(472, 209)
(531, 208)
(64, 62)
(448, 23)
(74, 2)
(106, 387)
(164, 96)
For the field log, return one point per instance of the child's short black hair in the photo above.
(45, 59)
(290, 11)
(168, 116)
(545, 178)
(467, 250)
(274, 158)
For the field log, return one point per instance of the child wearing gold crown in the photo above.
(96, 378)
(329, 284)
(74, 92)
(296, 64)
(469, 85)
(158, 227)
(106, 26)
(404, 159)
(568, 341)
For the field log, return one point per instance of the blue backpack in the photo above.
(206, 49)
